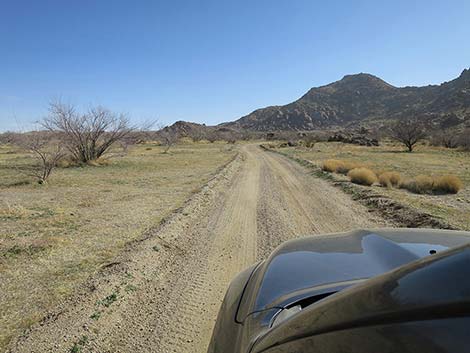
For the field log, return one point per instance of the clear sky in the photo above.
(215, 61)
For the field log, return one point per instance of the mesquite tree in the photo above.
(46, 150)
(90, 135)
(408, 132)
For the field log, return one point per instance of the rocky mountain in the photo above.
(366, 99)
(195, 131)
(186, 129)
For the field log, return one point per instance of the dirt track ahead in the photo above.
(163, 293)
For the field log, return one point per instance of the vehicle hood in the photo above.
(321, 264)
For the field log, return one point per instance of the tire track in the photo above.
(180, 273)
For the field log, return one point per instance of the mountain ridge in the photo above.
(364, 97)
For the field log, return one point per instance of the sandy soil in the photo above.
(163, 293)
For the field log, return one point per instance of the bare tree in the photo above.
(168, 138)
(446, 138)
(87, 136)
(408, 133)
(45, 148)
(464, 140)
(7, 137)
(138, 135)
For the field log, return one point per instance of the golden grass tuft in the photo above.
(99, 162)
(389, 179)
(66, 163)
(348, 165)
(332, 165)
(340, 166)
(449, 184)
(424, 184)
(362, 176)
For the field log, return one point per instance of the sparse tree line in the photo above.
(85, 137)
(80, 138)
(65, 132)
(409, 133)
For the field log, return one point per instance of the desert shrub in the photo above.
(347, 166)
(363, 176)
(447, 184)
(67, 162)
(87, 136)
(464, 140)
(422, 184)
(98, 162)
(340, 166)
(389, 179)
(332, 165)
(446, 138)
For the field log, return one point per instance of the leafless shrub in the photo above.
(446, 138)
(408, 133)
(464, 140)
(7, 137)
(139, 135)
(46, 149)
(167, 138)
(90, 135)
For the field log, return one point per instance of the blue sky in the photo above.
(214, 61)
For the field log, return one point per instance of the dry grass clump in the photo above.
(98, 162)
(362, 176)
(67, 163)
(340, 166)
(358, 173)
(424, 184)
(389, 179)
(348, 165)
(332, 165)
(448, 184)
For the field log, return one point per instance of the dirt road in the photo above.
(163, 293)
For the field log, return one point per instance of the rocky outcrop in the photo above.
(364, 98)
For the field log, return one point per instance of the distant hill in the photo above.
(195, 131)
(366, 99)
(186, 129)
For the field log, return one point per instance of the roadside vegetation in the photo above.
(56, 233)
(434, 179)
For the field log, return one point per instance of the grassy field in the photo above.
(455, 209)
(53, 236)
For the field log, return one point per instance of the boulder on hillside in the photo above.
(354, 139)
